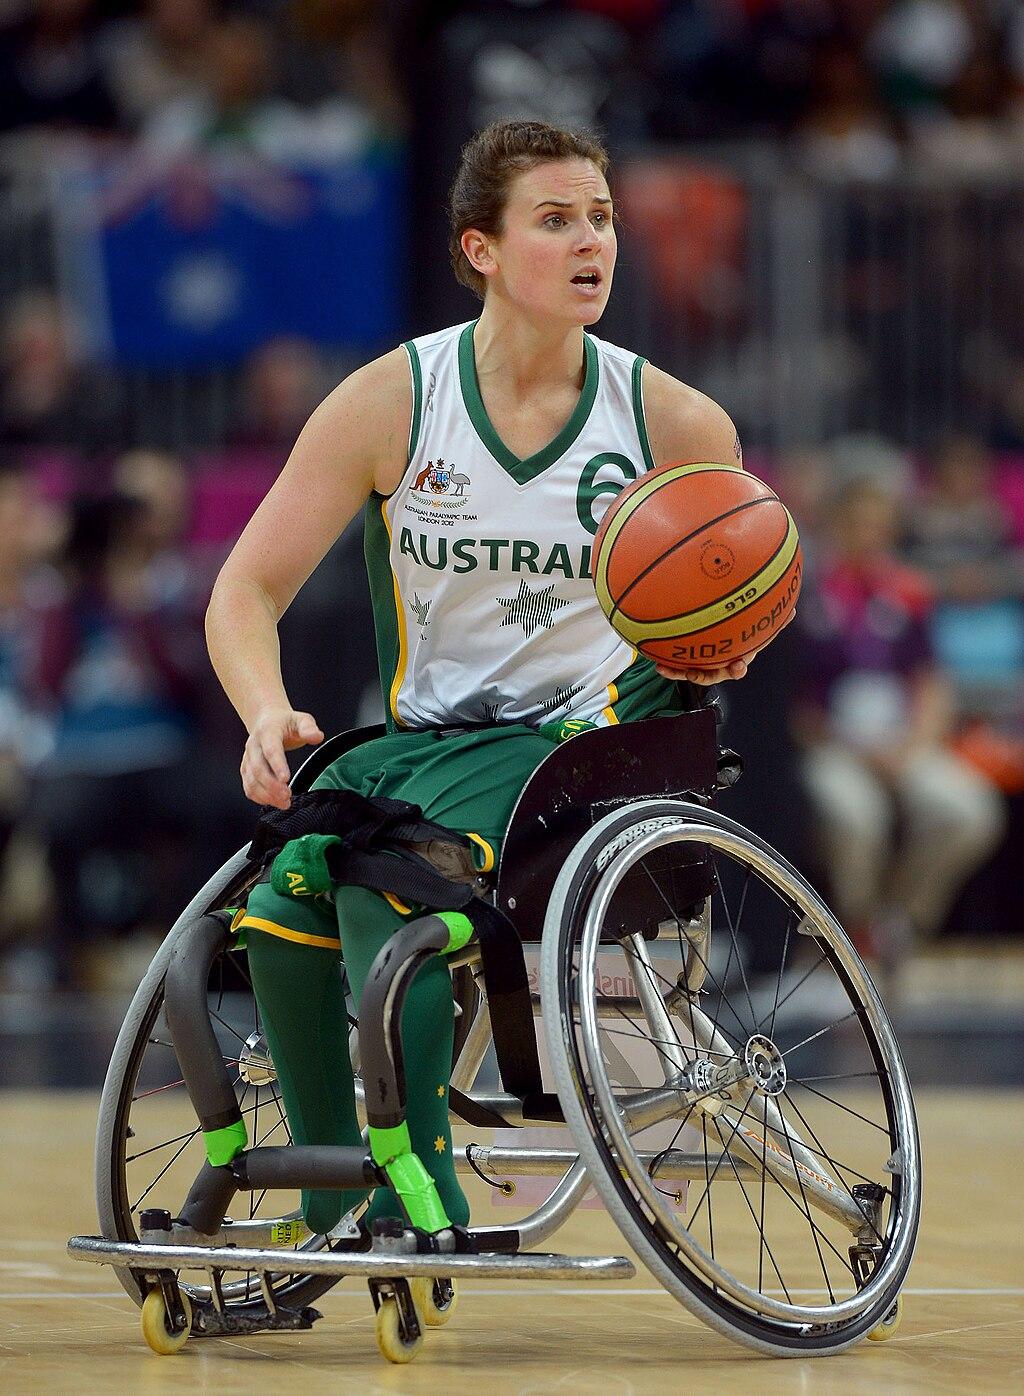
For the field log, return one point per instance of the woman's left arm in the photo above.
(684, 424)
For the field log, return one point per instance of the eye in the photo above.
(554, 219)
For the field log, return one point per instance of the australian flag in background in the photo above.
(196, 260)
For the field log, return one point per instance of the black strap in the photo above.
(508, 999)
(361, 822)
(401, 872)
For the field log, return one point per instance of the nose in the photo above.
(586, 239)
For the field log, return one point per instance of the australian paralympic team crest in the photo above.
(440, 493)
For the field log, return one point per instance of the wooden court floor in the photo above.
(65, 1326)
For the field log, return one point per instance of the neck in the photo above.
(525, 352)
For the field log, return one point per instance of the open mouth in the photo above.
(587, 278)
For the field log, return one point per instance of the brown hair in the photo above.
(490, 161)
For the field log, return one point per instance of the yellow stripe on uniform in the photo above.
(736, 602)
(624, 511)
(286, 933)
(609, 711)
(400, 907)
(488, 863)
(403, 645)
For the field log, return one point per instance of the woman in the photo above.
(485, 454)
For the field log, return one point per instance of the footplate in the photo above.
(530, 1266)
(207, 1322)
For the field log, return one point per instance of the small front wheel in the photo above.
(435, 1300)
(391, 1336)
(158, 1328)
(890, 1325)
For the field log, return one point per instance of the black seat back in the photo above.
(580, 782)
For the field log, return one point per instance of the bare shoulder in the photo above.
(371, 411)
(684, 424)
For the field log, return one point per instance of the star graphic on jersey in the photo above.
(531, 609)
(440, 1090)
(562, 698)
(439, 1144)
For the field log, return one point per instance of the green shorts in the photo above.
(469, 782)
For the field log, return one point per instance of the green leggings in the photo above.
(297, 945)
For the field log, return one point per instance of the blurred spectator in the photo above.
(156, 57)
(45, 397)
(24, 736)
(50, 71)
(333, 52)
(161, 484)
(238, 107)
(972, 136)
(961, 538)
(920, 48)
(901, 821)
(119, 667)
(284, 381)
(846, 134)
(726, 70)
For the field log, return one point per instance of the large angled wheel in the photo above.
(765, 1162)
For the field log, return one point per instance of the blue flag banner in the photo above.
(195, 261)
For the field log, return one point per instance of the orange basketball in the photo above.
(697, 564)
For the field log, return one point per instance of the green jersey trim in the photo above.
(523, 471)
(417, 396)
(640, 691)
(388, 617)
(638, 411)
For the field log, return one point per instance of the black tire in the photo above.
(666, 1245)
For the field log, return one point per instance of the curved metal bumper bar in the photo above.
(140, 1256)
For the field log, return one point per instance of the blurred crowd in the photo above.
(279, 79)
(859, 85)
(119, 787)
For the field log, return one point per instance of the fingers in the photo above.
(302, 730)
(264, 768)
(265, 773)
(705, 677)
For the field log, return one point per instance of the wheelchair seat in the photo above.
(581, 780)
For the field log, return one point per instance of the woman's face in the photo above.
(555, 256)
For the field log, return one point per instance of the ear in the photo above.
(477, 248)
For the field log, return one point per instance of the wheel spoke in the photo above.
(822, 959)
(762, 1239)
(822, 1031)
(782, 968)
(170, 1163)
(836, 1168)
(798, 1081)
(734, 933)
(224, 1024)
(707, 968)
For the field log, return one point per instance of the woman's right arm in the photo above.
(355, 442)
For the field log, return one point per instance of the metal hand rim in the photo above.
(730, 843)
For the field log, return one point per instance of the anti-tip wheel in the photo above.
(156, 1326)
(435, 1300)
(390, 1339)
(889, 1325)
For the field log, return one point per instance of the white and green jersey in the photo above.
(479, 563)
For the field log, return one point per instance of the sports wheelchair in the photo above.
(767, 1170)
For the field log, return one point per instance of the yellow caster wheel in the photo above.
(156, 1327)
(435, 1300)
(890, 1325)
(393, 1343)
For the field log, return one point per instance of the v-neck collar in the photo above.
(522, 471)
